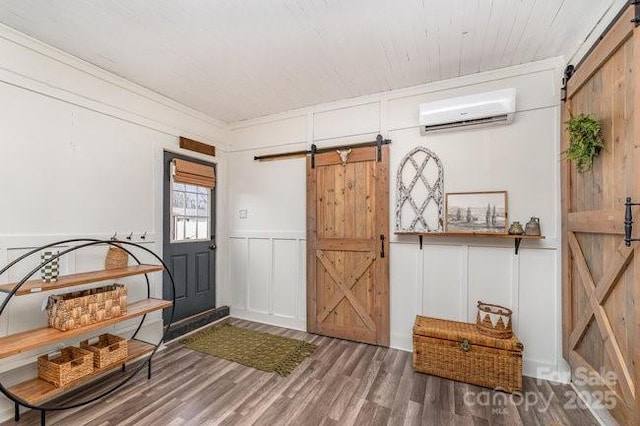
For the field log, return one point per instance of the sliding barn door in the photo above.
(600, 274)
(347, 245)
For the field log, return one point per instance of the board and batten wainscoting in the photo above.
(269, 275)
(443, 280)
(267, 210)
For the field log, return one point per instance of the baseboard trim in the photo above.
(278, 321)
(195, 322)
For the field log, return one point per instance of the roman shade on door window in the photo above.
(193, 173)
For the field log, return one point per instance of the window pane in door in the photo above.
(178, 203)
(203, 229)
(203, 205)
(178, 228)
(191, 204)
(190, 230)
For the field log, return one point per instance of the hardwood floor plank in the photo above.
(341, 383)
(341, 402)
(464, 393)
(413, 416)
(401, 397)
(383, 390)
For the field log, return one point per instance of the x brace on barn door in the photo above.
(315, 150)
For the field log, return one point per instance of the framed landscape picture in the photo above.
(476, 212)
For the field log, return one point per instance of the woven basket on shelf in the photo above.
(108, 350)
(82, 308)
(72, 364)
(494, 320)
(116, 258)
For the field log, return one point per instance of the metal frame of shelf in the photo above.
(81, 243)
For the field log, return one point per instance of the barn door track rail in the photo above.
(315, 150)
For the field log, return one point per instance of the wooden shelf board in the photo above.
(14, 344)
(36, 390)
(471, 234)
(36, 286)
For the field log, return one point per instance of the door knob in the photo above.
(213, 247)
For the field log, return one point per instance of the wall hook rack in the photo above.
(130, 236)
(143, 236)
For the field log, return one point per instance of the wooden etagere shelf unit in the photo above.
(34, 393)
(517, 238)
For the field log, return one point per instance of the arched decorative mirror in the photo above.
(420, 196)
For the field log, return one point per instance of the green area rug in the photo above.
(255, 349)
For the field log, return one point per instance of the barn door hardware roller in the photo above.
(315, 150)
(628, 222)
(636, 19)
(568, 73)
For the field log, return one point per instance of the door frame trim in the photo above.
(213, 223)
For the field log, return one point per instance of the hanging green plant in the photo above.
(585, 141)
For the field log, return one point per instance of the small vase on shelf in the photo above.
(516, 229)
(49, 272)
(533, 227)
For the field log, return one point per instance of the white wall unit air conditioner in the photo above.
(489, 108)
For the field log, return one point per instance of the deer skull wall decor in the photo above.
(344, 155)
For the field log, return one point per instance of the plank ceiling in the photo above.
(239, 59)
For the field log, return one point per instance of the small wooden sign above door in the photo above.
(196, 146)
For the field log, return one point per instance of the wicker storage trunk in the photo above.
(82, 308)
(457, 351)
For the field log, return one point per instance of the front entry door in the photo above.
(347, 245)
(189, 242)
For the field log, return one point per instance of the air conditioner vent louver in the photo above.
(490, 108)
(463, 123)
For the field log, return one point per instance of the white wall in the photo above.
(87, 144)
(449, 275)
(81, 154)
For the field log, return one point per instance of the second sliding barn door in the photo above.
(601, 272)
(347, 245)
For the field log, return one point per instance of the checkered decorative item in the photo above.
(49, 272)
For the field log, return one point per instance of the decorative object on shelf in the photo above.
(532, 228)
(458, 351)
(477, 212)
(420, 196)
(585, 141)
(71, 364)
(82, 308)
(107, 349)
(516, 228)
(494, 320)
(116, 258)
(49, 271)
